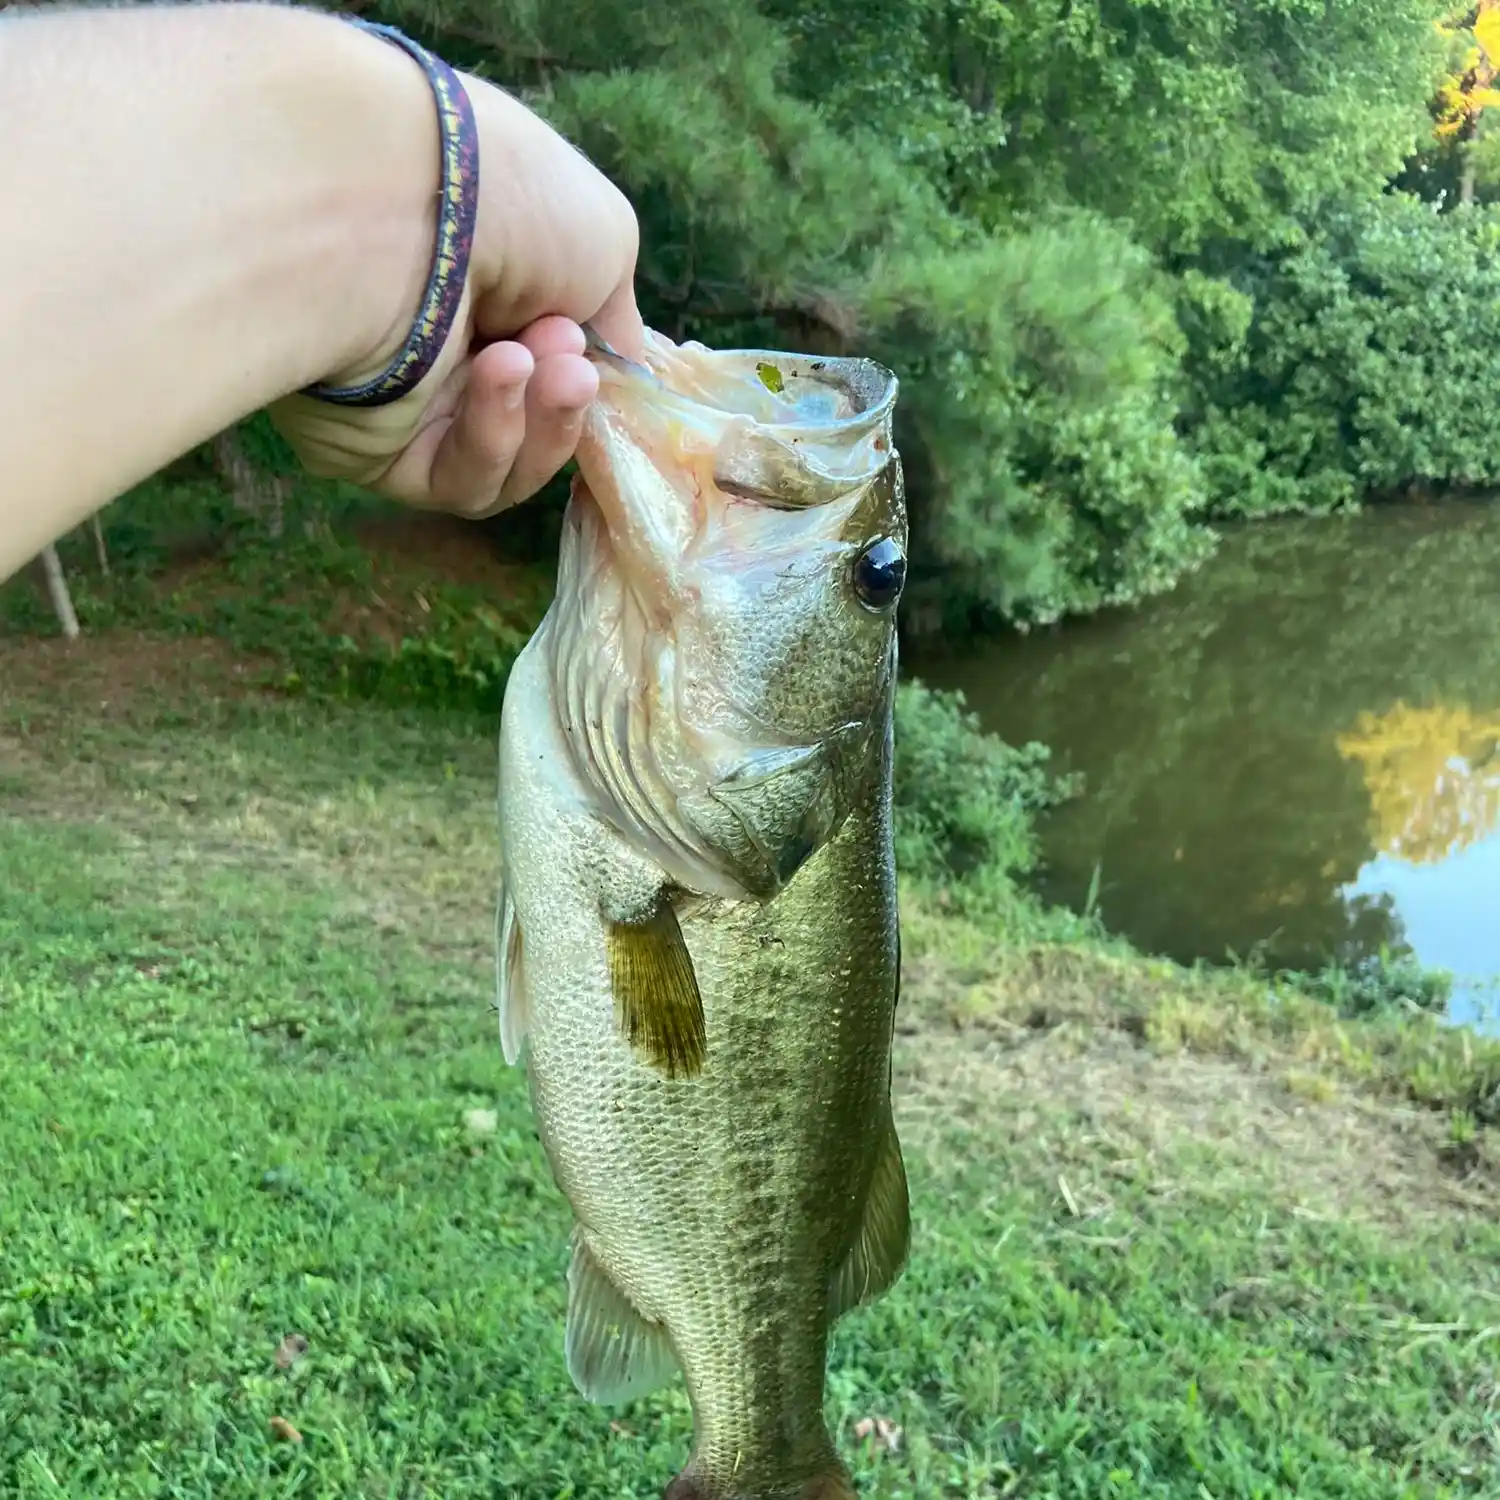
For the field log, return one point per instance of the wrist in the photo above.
(373, 147)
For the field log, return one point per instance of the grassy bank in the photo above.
(1176, 1236)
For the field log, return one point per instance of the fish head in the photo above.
(753, 509)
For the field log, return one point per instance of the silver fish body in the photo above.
(699, 944)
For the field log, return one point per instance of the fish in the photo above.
(698, 943)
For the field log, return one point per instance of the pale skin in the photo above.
(208, 208)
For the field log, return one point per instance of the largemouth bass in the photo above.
(698, 940)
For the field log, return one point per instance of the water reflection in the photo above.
(1297, 752)
(1433, 777)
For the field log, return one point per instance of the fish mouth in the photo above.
(791, 430)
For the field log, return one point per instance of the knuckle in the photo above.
(626, 227)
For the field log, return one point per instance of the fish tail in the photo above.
(832, 1484)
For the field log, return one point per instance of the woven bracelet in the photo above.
(457, 210)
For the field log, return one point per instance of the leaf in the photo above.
(1487, 34)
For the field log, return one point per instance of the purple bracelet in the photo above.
(457, 211)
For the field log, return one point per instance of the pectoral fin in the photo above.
(614, 1354)
(884, 1237)
(510, 980)
(656, 992)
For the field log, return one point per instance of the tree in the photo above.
(1369, 367)
(254, 491)
(1466, 92)
(57, 589)
(1193, 121)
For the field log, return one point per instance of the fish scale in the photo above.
(699, 944)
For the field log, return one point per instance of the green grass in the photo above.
(244, 1014)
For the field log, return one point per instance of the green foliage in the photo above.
(1193, 121)
(966, 802)
(1046, 475)
(265, 447)
(314, 609)
(1037, 414)
(461, 661)
(1382, 982)
(1040, 368)
(1370, 366)
(1022, 172)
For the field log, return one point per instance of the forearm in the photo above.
(201, 209)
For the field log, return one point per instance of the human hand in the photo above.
(501, 411)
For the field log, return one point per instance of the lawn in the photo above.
(274, 1220)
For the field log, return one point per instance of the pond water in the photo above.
(1297, 752)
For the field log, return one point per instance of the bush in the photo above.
(966, 802)
(1040, 373)
(1378, 984)
(1370, 365)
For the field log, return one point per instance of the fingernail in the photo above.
(512, 397)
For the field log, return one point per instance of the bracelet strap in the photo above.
(457, 211)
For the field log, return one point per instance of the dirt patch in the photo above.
(116, 669)
(1086, 1104)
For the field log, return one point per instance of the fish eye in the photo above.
(880, 574)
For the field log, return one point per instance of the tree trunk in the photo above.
(1467, 176)
(252, 493)
(57, 586)
(99, 548)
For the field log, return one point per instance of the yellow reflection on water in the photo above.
(1433, 775)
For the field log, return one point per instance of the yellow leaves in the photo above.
(1486, 30)
(1433, 775)
(1466, 93)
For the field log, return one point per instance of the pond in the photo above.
(1296, 753)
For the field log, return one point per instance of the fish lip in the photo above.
(870, 387)
(788, 457)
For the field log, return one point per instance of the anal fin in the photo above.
(614, 1354)
(656, 992)
(512, 1000)
(879, 1252)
